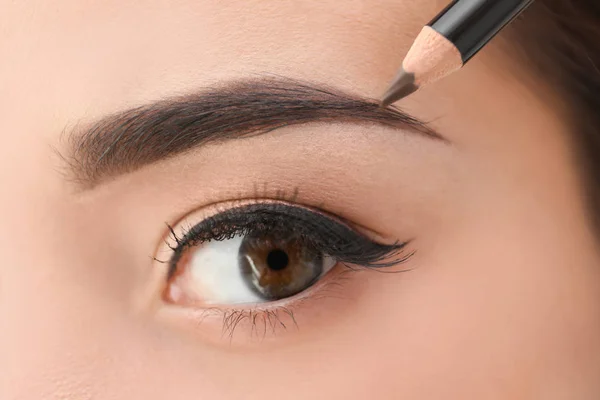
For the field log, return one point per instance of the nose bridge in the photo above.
(61, 344)
(67, 326)
(43, 321)
(60, 336)
(40, 312)
(39, 338)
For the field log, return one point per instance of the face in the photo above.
(165, 235)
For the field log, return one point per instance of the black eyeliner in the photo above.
(315, 228)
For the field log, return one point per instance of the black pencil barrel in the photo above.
(470, 24)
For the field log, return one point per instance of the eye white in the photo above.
(214, 273)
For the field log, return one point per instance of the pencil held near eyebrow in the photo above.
(451, 39)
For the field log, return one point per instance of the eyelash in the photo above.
(337, 239)
(270, 318)
(329, 234)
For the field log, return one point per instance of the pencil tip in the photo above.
(402, 86)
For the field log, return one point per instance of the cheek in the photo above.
(511, 307)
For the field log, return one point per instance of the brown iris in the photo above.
(276, 268)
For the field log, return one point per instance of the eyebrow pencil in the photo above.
(449, 41)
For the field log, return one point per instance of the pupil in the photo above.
(277, 260)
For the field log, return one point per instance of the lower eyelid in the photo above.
(278, 319)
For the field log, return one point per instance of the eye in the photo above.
(262, 252)
(249, 269)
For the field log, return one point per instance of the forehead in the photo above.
(133, 50)
(76, 61)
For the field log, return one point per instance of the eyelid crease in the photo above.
(263, 196)
(281, 198)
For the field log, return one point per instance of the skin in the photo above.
(501, 300)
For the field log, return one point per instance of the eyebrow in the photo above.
(126, 141)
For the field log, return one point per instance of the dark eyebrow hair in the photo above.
(128, 140)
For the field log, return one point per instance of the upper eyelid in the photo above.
(244, 203)
(258, 203)
(291, 199)
(260, 206)
(369, 253)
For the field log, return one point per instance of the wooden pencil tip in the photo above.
(403, 85)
